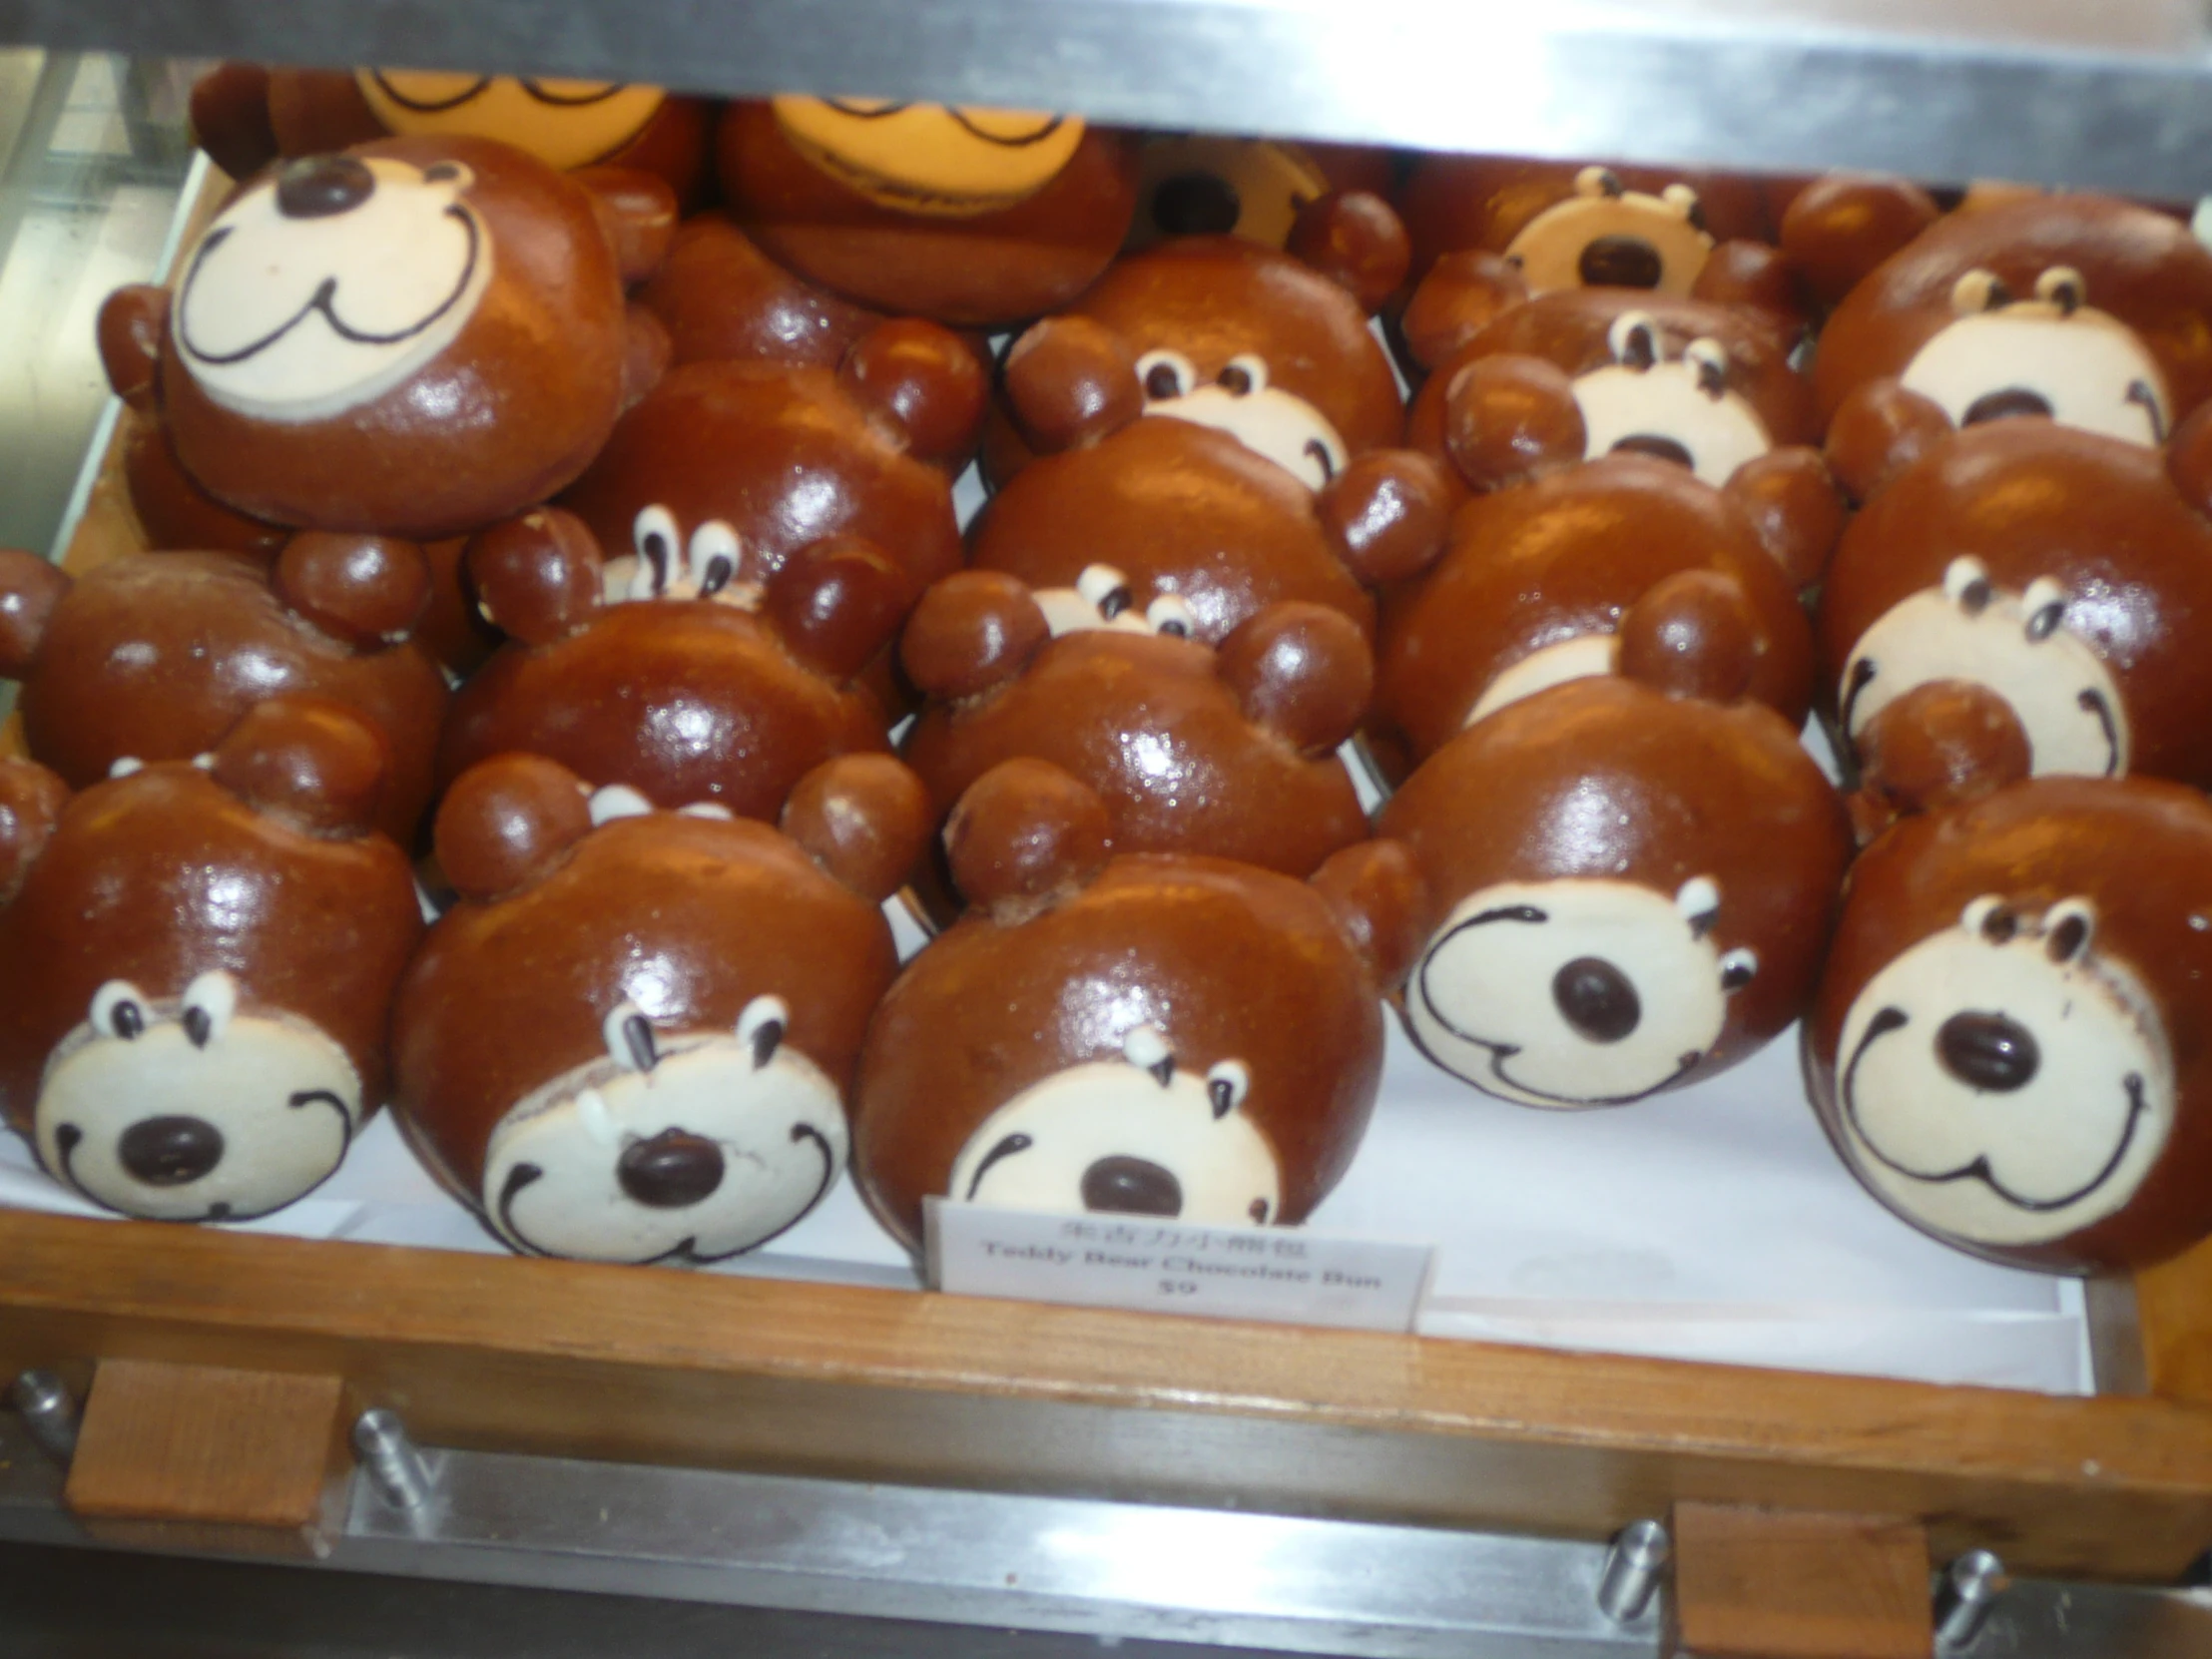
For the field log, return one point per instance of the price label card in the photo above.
(1172, 1267)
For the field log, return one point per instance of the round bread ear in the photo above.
(637, 211)
(1838, 229)
(1691, 635)
(1301, 671)
(1751, 275)
(2189, 459)
(865, 819)
(308, 762)
(1025, 837)
(537, 576)
(1387, 513)
(1509, 418)
(1356, 240)
(509, 821)
(229, 118)
(837, 603)
(131, 322)
(1796, 509)
(31, 803)
(973, 631)
(1879, 431)
(1380, 902)
(1071, 381)
(30, 588)
(369, 591)
(1460, 296)
(1940, 744)
(646, 353)
(922, 381)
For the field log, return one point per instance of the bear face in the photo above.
(2050, 566)
(1161, 1035)
(677, 676)
(1229, 752)
(2006, 1047)
(156, 656)
(970, 217)
(1198, 185)
(611, 1077)
(1635, 890)
(358, 342)
(198, 966)
(2081, 308)
(1535, 582)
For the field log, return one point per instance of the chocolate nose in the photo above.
(1620, 262)
(316, 187)
(167, 1152)
(1131, 1187)
(1987, 1051)
(673, 1169)
(1196, 204)
(2002, 405)
(1651, 443)
(1597, 999)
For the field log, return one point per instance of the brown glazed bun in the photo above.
(1229, 752)
(2010, 1044)
(1165, 1036)
(684, 679)
(722, 299)
(1535, 582)
(2063, 301)
(454, 411)
(1634, 887)
(156, 656)
(983, 259)
(2063, 571)
(198, 964)
(608, 1074)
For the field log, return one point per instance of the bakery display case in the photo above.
(1658, 1380)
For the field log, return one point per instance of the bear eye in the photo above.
(760, 1027)
(616, 801)
(1227, 1084)
(1244, 375)
(1698, 901)
(1966, 585)
(2045, 605)
(118, 1010)
(1597, 181)
(1171, 615)
(1634, 339)
(1710, 360)
(1737, 968)
(713, 557)
(210, 1001)
(2061, 285)
(1991, 917)
(450, 173)
(1166, 374)
(2068, 928)
(629, 1037)
(1146, 1048)
(1977, 291)
(654, 535)
(1105, 590)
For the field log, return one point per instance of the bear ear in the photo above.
(31, 803)
(924, 382)
(837, 603)
(1387, 514)
(131, 322)
(509, 821)
(1356, 240)
(1838, 229)
(1795, 508)
(1071, 381)
(369, 591)
(1691, 635)
(2189, 459)
(229, 118)
(1879, 431)
(30, 588)
(973, 632)
(536, 576)
(1025, 837)
(1750, 275)
(1301, 671)
(637, 213)
(308, 762)
(865, 819)
(1380, 902)
(1462, 295)
(1939, 745)
(646, 351)
(1510, 417)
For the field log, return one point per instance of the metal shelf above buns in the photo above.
(2117, 95)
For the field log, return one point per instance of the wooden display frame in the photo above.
(577, 1360)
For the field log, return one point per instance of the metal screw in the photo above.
(1970, 1587)
(390, 1458)
(49, 1412)
(1633, 1568)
